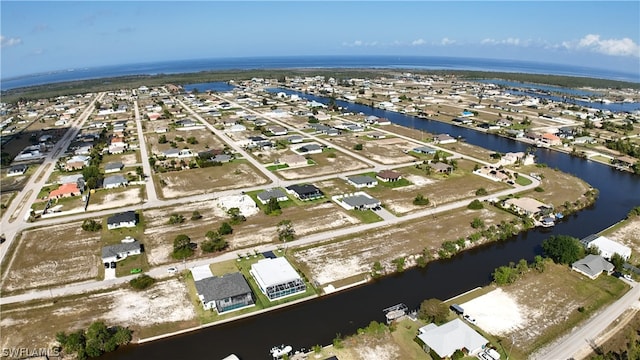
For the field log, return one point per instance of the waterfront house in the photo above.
(305, 192)
(362, 181)
(118, 252)
(444, 139)
(592, 266)
(125, 219)
(224, 293)
(445, 339)
(551, 139)
(527, 206)
(388, 176)
(267, 195)
(606, 246)
(276, 278)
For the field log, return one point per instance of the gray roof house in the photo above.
(445, 339)
(120, 251)
(267, 195)
(310, 149)
(114, 181)
(362, 181)
(120, 220)
(16, 170)
(224, 293)
(424, 150)
(360, 201)
(592, 266)
(113, 167)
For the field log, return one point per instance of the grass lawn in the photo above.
(405, 336)
(111, 237)
(124, 267)
(522, 181)
(277, 167)
(366, 216)
(5, 200)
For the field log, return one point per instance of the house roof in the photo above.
(121, 248)
(388, 174)
(608, 246)
(127, 216)
(425, 149)
(310, 147)
(304, 189)
(592, 265)
(527, 204)
(114, 165)
(440, 166)
(68, 188)
(449, 337)
(70, 178)
(271, 272)
(18, 168)
(360, 200)
(362, 180)
(114, 180)
(222, 287)
(272, 193)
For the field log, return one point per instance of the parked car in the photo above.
(136, 271)
(113, 264)
(172, 270)
(106, 265)
(628, 277)
(469, 319)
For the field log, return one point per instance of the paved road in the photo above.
(577, 343)
(144, 154)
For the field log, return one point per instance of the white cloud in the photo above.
(447, 41)
(7, 42)
(614, 47)
(507, 41)
(359, 43)
(418, 42)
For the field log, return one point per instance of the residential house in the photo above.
(237, 128)
(276, 278)
(177, 153)
(277, 130)
(592, 266)
(527, 206)
(267, 195)
(295, 139)
(445, 339)
(114, 181)
(293, 160)
(74, 178)
(504, 122)
(117, 145)
(125, 219)
(515, 133)
(305, 192)
(551, 139)
(584, 140)
(462, 121)
(224, 293)
(65, 190)
(607, 246)
(113, 167)
(444, 139)
(357, 201)
(83, 150)
(376, 135)
(17, 170)
(424, 150)
(117, 252)
(187, 123)
(310, 149)
(362, 181)
(441, 167)
(388, 176)
(77, 162)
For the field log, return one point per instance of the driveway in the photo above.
(109, 274)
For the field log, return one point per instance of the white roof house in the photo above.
(277, 278)
(608, 247)
(445, 339)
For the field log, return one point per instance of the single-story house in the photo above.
(221, 158)
(17, 170)
(276, 278)
(124, 219)
(114, 181)
(357, 201)
(592, 266)
(425, 150)
(187, 122)
(120, 251)
(441, 167)
(376, 135)
(83, 150)
(607, 246)
(462, 120)
(551, 139)
(388, 176)
(295, 139)
(77, 162)
(293, 160)
(237, 128)
(177, 153)
(74, 178)
(113, 167)
(65, 190)
(445, 339)
(305, 192)
(224, 293)
(267, 195)
(584, 140)
(362, 181)
(310, 149)
(526, 206)
(277, 130)
(444, 139)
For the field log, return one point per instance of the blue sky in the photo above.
(55, 35)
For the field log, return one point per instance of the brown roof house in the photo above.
(388, 175)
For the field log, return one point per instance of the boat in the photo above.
(547, 222)
(231, 357)
(277, 352)
(559, 216)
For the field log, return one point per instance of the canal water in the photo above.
(318, 321)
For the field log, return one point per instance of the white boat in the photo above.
(231, 357)
(278, 352)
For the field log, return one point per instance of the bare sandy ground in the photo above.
(131, 196)
(629, 234)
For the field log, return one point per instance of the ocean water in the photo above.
(246, 63)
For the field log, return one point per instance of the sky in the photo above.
(54, 35)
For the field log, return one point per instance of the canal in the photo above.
(318, 321)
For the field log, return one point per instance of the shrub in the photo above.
(176, 219)
(482, 192)
(142, 282)
(91, 225)
(357, 147)
(225, 229)
(475, 205)
(477, 223)
(196, 215)
(420, 200)
(538, 189)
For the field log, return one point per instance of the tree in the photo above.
(357, 146)
(196, 215)
(286, 231)
(162, 139)
(182, 247)
(272, 207)
(538, 263)
(618, 261)
(214, 242)
(504, 275)
(433, 310)
(563, 249)
(92, 176)
(142, 282)
(420, 200)
(225, 229)
(457, 355)
(139, 171)
(475, 205)
(176, 219)
(91, 225)
(477, 223)
(192, 140)
(481, 192)
(236, 216)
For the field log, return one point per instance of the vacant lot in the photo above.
(539, 307)
(234, 175)
(5, 200)
(385, 151)
(161, 308)
(559, 187)
(474, 151)
(628, 233)
(54, 255)
(205, 140)
(115, 198)
(330, 161)
(354, 255)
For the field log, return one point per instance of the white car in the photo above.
(628, 277)
(172, 270)
(469, 319)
